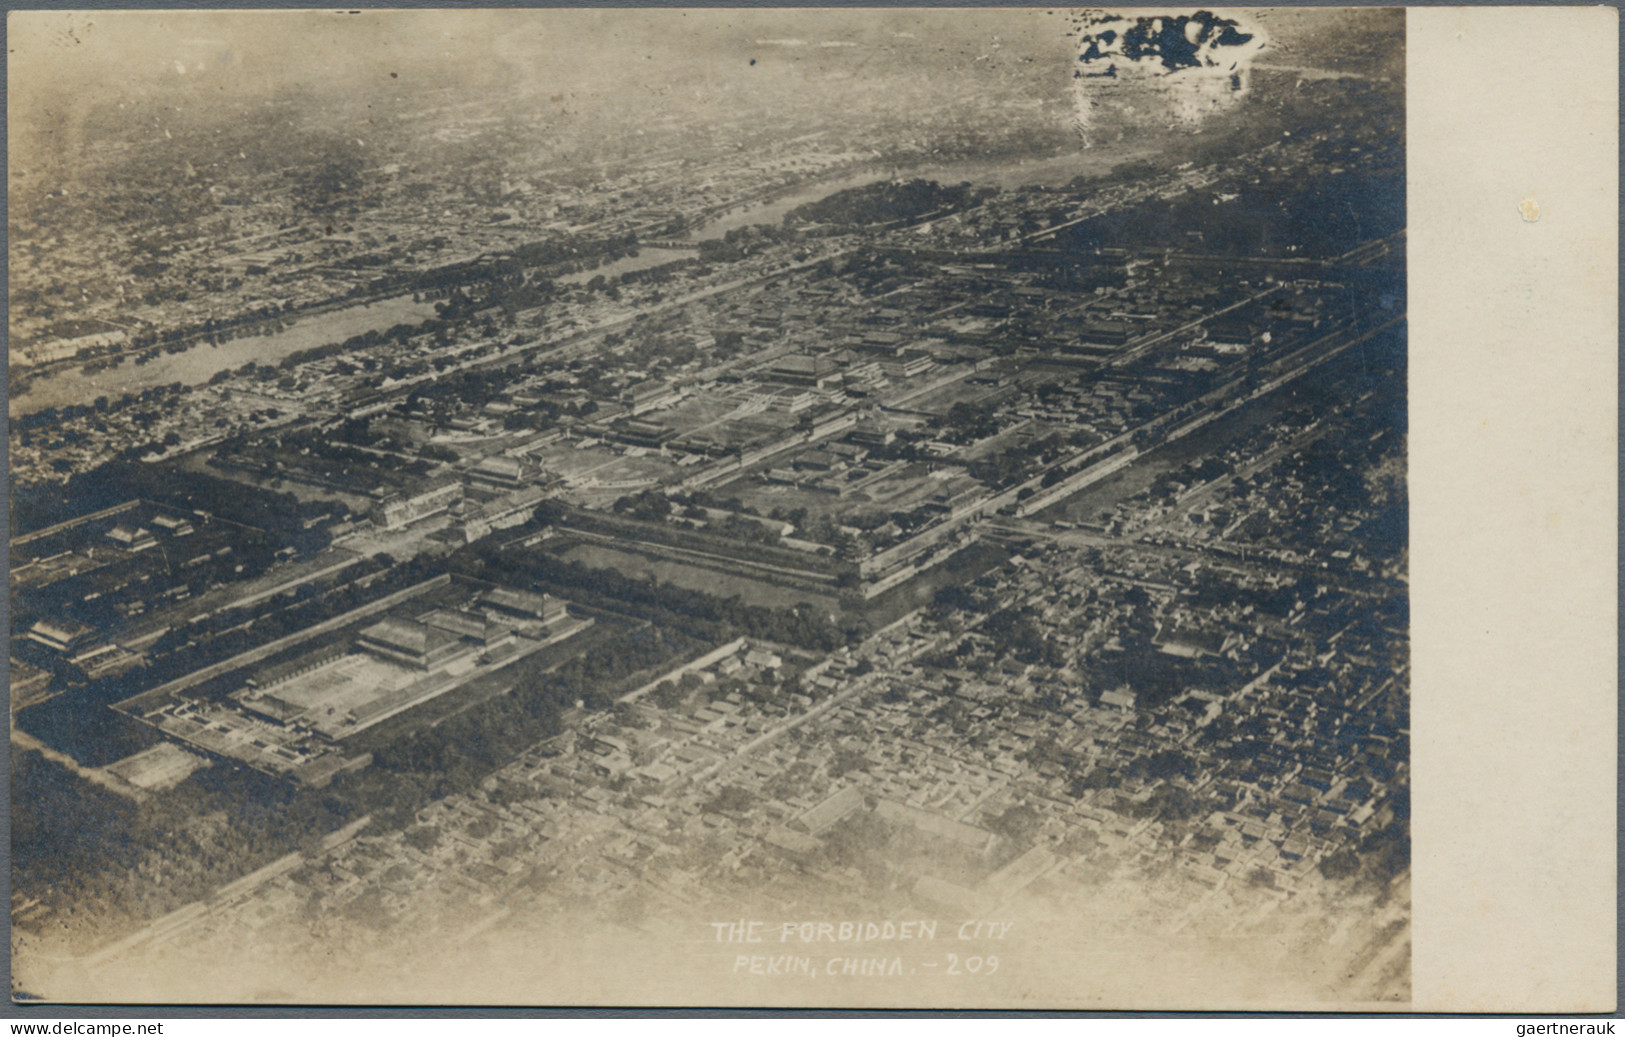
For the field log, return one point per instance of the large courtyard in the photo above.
(292, 715)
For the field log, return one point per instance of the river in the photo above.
(197, 365)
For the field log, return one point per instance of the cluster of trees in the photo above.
(703, 498)
(50, 417)
(107, 866)
(651, 349)
(820, 529)
(867, 843)
(730, 800)
(674, 694)
(649, 505)
(1163, 765)
(505, 278)
(452, 277)
(728, 344)
(739, 528)
(1019, 824)
(508, 289)
(356, 431)
(1208, 588)
(333, 464)
(263, 319)
(658, 274)
(825, 529)
(1168, 486)
(438, 452)
(499, 276)
(962, 598)
(870, 267)
(906, 447)
(1158, 678)
(469, 389)
(966, 423)
(456, 754)
(1008, 467)
(888, 202)
(1325, 216)
(570, 251)
(399, 333)
(320, 445)
(671, 694)
(846, 761)
(1021, 636)
(1167, 801)
(1380, 857)
(741, 242)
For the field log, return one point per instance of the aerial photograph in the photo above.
(710, 507)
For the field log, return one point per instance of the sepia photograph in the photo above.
(877, 508)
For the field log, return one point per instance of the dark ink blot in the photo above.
(1170, 44)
